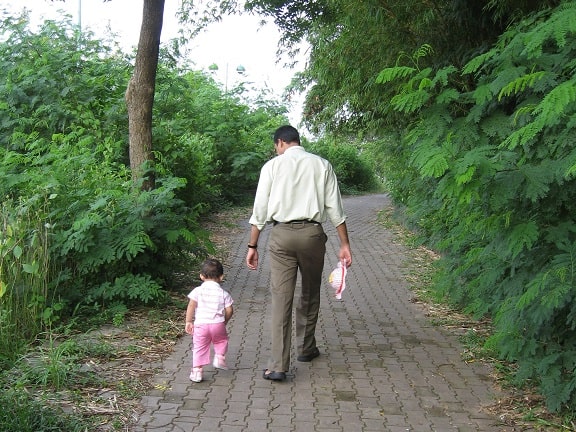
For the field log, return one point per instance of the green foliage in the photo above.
(491, 184)
(24, 264)
(213, 135)
(21, 412)
(99, 227)
(54, 366)
(58, 80)
(127, 288)
(352, 169)
(77, 238)
(350, 41)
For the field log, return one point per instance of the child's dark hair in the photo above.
(212, 269)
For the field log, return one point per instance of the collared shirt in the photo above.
(297, 185)
(211, 300)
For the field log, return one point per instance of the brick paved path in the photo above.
(383, 366)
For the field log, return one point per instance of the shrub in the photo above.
(352, 169)
(492, 175)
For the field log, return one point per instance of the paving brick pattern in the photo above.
(383, 366)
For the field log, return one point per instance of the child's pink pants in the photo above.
(204, 335)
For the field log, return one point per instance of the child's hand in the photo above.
(189, 328)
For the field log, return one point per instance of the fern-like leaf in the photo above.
(552, 288)
(482, 94)
(571, 170)
(547, 113)
(554, 105)
(561, 23)
(425, 83)
(447, 96)
(466, 176)
(423, 51)
(477, 62)
(431, 161)
(442, 76)
(497, 125)
(394, 73)
(410, 102)
(520, 84)
(538, 179)
(523, 236)
(466, 167)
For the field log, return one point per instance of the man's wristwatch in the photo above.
(250, 246)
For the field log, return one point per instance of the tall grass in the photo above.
(24, 272)
(21, 412)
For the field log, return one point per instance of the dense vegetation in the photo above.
(473, 107)
(466, 109)
(79, 243)
(496, 190)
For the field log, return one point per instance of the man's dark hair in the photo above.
(212, 269)
(287, 133)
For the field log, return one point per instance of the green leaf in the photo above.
(410, 102)
(538, 179)
(17, 251)
(466, 176)
(443, 75)
(423, 51)
(31, 268)
(430, 161)
(394, 73)
(477, 62)
(522, 237)
(482, 94)
(447, 96)
(555, 104)
(521, 83)
(424, 83)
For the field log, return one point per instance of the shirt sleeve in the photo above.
(228, 300)
(260, 210)
(333, 203)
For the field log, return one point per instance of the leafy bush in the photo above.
(491, 182)
(72, 223)
(77, 236)
(57, 80)
(352, 169)
(210, 137)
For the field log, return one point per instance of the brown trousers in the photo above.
(294, 247)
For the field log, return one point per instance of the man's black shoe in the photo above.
(273, 376)
(309, 357)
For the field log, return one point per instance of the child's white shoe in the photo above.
(219, 362)
(196, 374)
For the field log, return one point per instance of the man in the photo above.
(297, 192)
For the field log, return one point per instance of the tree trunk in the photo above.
(140, 94)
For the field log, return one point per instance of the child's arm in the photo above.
(228, 312)
(190, 312)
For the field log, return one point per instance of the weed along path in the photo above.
(383, 365)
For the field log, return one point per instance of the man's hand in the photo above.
(252, 259)
(344, 255)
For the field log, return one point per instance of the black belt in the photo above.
(297, 222)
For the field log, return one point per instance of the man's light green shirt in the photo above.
(297, 185)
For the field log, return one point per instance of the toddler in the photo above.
(209, 310)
